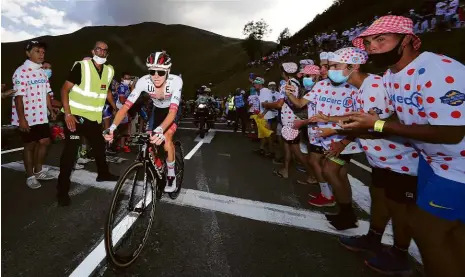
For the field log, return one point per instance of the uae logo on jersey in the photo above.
(453, 98)
(103, 87)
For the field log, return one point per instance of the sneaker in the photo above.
(389, 263)
(32, 182)
(44, 175)
(83, 160)
(343, 222)
(321, 201)
(78, 166)
(360, 243)
(171, 184)
(126, 149)
(107, 178)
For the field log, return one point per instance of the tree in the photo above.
(283, 36)
(255, 32)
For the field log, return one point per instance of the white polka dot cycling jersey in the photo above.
(393, 153)
(33, 85)
(431, 90)
(169, 99)
(332, 101)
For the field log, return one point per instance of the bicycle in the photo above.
(137, 199)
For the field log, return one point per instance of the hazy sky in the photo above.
(25, 19)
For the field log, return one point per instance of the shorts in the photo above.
(36, 133)
(157, 118)
(107, 111)
(294, 141)
(398, 187)
(439, 196)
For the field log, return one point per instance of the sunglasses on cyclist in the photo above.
(160, 73)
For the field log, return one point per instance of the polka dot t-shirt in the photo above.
(32, 83)
(393, 153)
(431, 90)
(333, 101)
(287, 114)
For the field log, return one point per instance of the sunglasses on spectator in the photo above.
(160, 73)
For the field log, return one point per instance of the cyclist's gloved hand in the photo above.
(108, 133)
(157, 136)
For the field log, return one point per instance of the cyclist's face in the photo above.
(156, 78)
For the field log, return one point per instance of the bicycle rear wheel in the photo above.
(131, 216)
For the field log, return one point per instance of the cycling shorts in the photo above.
(439, 196)
(107, 111)
(157, 118)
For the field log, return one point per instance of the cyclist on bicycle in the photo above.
(165, 91)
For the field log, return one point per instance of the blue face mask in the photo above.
(337, 76)
(308, 82)
(48, 72)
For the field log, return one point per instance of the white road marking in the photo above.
(192, 122)
(192, 152)
(207, 138)
(216, 130)
(367, 168)
(12, 150)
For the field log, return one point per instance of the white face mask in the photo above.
(126, 82)
(99, 60)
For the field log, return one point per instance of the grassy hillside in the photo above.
(200, 56)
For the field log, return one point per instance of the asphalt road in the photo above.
(233, 218)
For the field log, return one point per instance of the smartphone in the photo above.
(251, 76)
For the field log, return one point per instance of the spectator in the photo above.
(29, 113)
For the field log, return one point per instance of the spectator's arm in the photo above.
(65, 89)
(20, 107)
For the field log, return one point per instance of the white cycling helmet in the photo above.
(158, 60)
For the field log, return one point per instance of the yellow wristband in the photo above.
(379, 124)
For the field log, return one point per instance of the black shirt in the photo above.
(75, 74)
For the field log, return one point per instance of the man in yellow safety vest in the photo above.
(83, 96)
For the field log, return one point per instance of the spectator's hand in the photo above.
(8, 93)
(108, 135)
(24, 126)
(320, 117)
(359, 120)
(53, 115)
(71, 122)
(298, 124)
(324, 132)
(335, 149)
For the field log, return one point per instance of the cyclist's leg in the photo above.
(170, 159)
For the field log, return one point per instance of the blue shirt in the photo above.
(239, 101)
(123, 90)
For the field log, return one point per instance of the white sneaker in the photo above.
(171, 188)
(44, 175)
(78, 166)
(32, 182)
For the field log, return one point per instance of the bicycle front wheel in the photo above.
(131, 215)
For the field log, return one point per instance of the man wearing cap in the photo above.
(394, 168)
(265, 96)
(428, 93)
(83, 96)
(29, 112)
(329, 155)
(323, 65)
(241, 112)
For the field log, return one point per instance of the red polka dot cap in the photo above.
(389, 24)
(311, 70)
(290, 68)
(350, 55)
